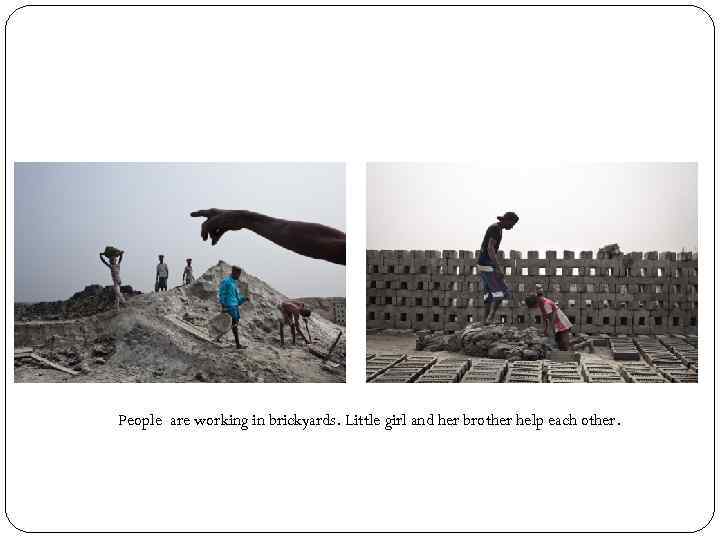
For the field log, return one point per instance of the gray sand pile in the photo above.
(155, 339)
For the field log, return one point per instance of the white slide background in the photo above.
(502, 86)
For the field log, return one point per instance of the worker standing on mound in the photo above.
(115, 257)
(489, 267)
(231, 299)
(188, 277)
(291, 312)
(161, 274)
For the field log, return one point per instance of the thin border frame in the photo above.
(357, 5)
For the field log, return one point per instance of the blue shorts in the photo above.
(234, 312)
(495, 288)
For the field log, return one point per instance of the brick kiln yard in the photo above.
(392, 358)
(162, 337)
(638, 311)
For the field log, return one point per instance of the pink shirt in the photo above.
(550, 309)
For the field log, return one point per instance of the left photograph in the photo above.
(179, 272)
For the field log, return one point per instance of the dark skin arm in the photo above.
(309, 239)
(545, 320)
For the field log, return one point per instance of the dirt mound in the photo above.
(162, 337)
(491, 341)
(91, 300)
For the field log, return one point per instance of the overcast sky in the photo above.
(65, 215)
(641, 207)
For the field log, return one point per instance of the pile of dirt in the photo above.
(162, 337)
(91, 300)
(489, 341)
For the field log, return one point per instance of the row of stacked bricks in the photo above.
(398, 369)
(448, 370)
(687, 371)
(485, 370)
(563, 367)
(634, 367)
(639, 293)
(683, 347)
(525, 371)
(646, 359)
(600, 372)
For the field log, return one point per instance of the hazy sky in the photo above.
(66, 213)
(642, 207)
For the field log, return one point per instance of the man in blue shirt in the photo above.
(231, 300)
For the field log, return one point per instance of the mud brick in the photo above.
(648, 379)
(606, 380)
(601, 340)
(523, 371)
(562, 356)
(440, 369)
(685, 378)
(626, 354)
(563, 374)
(565, 379)
(429, 358)
(594, 374)
(464, 362)
(423, 362)
(487, 361)
(399, 371)
(479, 379)
(495, 375)
(523, 380)
(416, 368)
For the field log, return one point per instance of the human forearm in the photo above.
(492, 253)
(308, 239)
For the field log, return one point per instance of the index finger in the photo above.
(200, 213)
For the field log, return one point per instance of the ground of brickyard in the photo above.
(389, 352)
(379, 343)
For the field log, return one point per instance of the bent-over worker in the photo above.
(291, 312)
(551, 312)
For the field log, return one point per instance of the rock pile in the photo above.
(492, 341)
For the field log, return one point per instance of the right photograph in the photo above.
(577, 273)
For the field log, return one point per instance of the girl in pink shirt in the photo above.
(551, 312)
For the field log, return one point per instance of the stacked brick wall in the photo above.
(650, 293)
